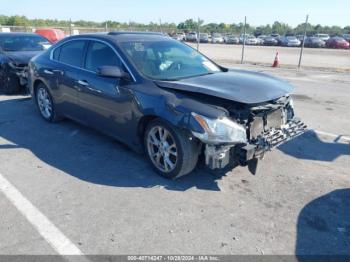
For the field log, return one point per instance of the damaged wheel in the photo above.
(172, 152)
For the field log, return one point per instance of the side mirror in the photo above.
(112, 71)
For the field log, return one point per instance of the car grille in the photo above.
(264, 122)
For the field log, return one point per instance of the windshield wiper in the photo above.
(168, 79)
(187, 77)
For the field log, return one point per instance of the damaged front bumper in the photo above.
(219, 156)
(22, 74)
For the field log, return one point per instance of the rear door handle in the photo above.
(94, 90)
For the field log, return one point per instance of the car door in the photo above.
(106, 101)
(67, 62)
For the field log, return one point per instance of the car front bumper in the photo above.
(21, 73)
(219, 156)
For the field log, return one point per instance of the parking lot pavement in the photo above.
(335, 59)
(105, 199)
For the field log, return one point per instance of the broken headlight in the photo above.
(221, 130)
(12, 65)
(288, 112)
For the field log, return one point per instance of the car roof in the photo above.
(19, 34)
(125, 36)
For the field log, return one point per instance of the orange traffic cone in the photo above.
(276, 62)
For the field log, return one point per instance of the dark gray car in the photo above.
(315, 42)
(16, 49)
(162, 97)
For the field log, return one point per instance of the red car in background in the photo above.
(51, 34)
(337, 42)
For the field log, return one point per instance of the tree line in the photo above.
(186, 26)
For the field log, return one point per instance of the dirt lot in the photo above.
(90, 194)
(335, 59)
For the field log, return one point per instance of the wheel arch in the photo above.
(36, 83)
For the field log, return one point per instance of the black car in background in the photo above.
(270, 41)
(314, 42)
(16, 49)
(204, 38)
(163, 97)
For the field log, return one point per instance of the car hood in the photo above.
(22, 57)
(236, 85)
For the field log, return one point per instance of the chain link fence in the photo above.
(234, 53)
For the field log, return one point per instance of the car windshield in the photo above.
(167, 60)
(15, 43)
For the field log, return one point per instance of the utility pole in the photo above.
(106, 26)
(70, 26)
(244, 38)
(198, 32)
(160, 25)
(303, 44)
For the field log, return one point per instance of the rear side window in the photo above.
(100, 54)
(56, 53)
(72, 53)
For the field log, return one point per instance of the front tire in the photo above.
(172, 152)
(45, 103)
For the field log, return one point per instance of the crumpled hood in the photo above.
(236, 85)
(22, 57)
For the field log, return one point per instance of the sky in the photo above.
(261, 12)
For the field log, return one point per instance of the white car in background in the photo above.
(179, 36)
(251, 40)
(217, 39)
(324, 37)
(261, 39)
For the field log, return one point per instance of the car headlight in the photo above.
(221, 130)
(12, 65)
(291, 103)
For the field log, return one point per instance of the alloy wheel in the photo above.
(162, 149)
(44, 102)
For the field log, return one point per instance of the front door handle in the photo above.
(83, 82)
(48, 72)
(87, 85)
(53, 71)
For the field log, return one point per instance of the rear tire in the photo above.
(172, 152)
(45, 104)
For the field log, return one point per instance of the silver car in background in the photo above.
(231, 39)
(191, 37)
(290, 41)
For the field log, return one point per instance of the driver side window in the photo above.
(100, 54)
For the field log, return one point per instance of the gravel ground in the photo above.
(107, 200)
(320, 58)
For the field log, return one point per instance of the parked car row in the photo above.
(315, 41)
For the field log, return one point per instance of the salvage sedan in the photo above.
(16, 49)
(162, 97)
